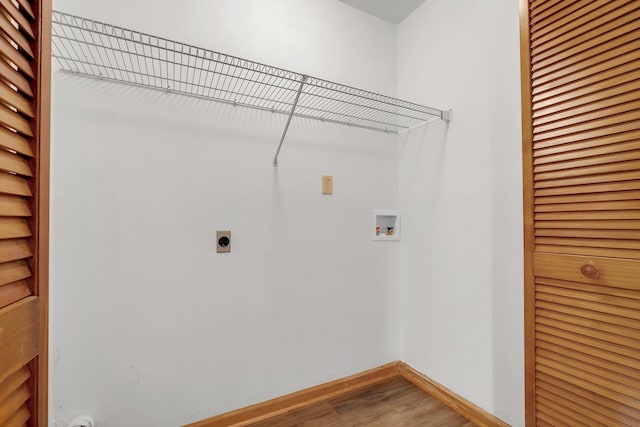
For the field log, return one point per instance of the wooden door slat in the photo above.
(570, 40)
(15, 121)
(605, 296)
(15, 142)
(591, 359)
(590, 179)
(588, 189)
(593, 243)
(626, 395)
(12, 98)
(14, 271)
(633, 204)
(555, 25)
(14, 206)
(19, 418)
(586, 234)
(16, 36)
(589, 349)
(605, 123)
(580, 216)
(592, 166)
(13, 403)
(14, 250)
(12, 55)
(589, 395)
(604, 74)
(584, 250)
(13, 77)
(581, 407)
(13, 382)
(590, 224)
(17, 15)
(13, 184)
(619, 131)
(614, 315)
(14, 163)
(19, 335)
(13, 228)
(565, 415)
(628, 344)
(13, 292)
(556, 121)
(598, 53)
(584, 157)
(26, 8)
(586, 323)
(555, 13)
(593, 410)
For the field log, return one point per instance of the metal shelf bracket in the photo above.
(286, 127)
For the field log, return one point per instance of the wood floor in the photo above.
(396, 403)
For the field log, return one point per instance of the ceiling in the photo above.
(393, 11)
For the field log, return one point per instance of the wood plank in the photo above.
(588, 215)
(589, 395)
(613, 55)
(17, 15)
(13, 271)
(589, 243)
(15, 142)
(600, 165)
(577, 405)
(15, 121)
(13, 292)
(596, 252)
(606, 73)
(14, 184)
(13, 77)
(14, 206)
(25, 7)
(579, 110)
(567, 20)
(590, 206)
(14, 163)
(19, 418)
(13, 56)
(301, 399)
(613, 196)
(613, 272)
(597, 234)
(593, 137)
(609, 123)
(586, 287)
(592, 179)
(13, 228)
(576, 155)
(626, 395)
(588, 358)
(13, 382)
(19, 335)
(605, 42)
(587, 189)
(589, 349)
(13, 99)
(14, 249)
(552, 315)
(16, 36)
(572, 39)
(12, 404)
(557, 121)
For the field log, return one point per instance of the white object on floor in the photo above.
(83, 421)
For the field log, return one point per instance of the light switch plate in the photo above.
(327, 184)
(223, 241)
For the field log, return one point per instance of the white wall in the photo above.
(460, 194)
(149, 326)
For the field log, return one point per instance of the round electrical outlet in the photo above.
(223, 241)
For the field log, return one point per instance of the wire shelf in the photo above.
(105, 51)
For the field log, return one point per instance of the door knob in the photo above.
(590, 271)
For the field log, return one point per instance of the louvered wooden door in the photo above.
(581, 123)
(25, 27)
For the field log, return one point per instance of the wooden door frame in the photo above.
(40, 206)
(527, 179)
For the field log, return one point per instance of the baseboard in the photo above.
(300, 399)
(321, 393)
(456, 402)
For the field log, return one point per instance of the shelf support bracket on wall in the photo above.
(286, 127)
